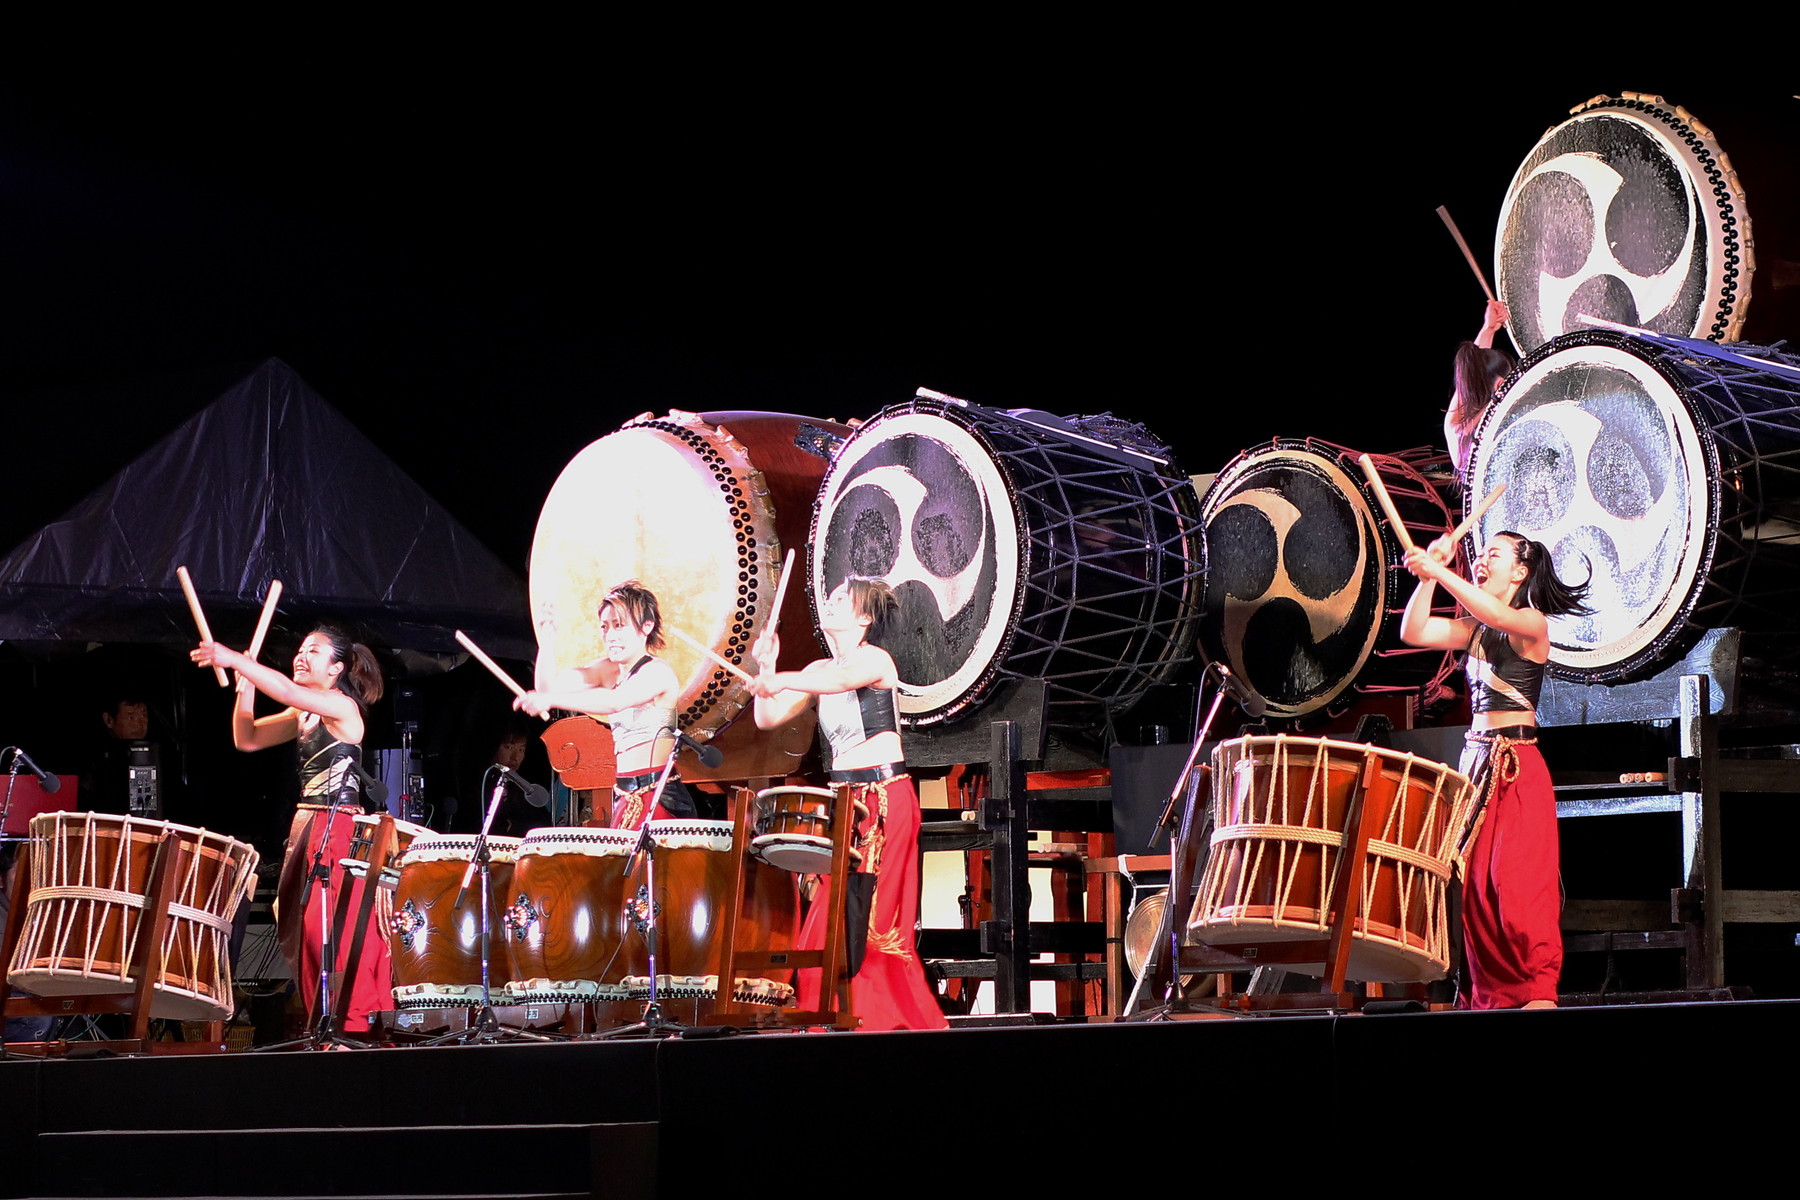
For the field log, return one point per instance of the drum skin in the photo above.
(700, 509)
(694, 875)
(566, 918)
(1658, 475)
(1307, 587)
(1279, 812)
(81, 945)
(436, 946)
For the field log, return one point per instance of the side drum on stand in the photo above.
(1020, 545)
(85, 912)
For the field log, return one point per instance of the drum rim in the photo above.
(1678, 131)
(1678, 630)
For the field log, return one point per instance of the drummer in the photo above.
(335, 681)
(633, 687)
(855, 693)
(1512, 903)
(1476, 375)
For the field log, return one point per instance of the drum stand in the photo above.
(484, 1028)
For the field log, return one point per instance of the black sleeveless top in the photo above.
(1500, 678)
(323, 770)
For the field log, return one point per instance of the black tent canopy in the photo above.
(267, 482)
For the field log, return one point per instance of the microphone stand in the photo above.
(484, 1026)
(651, 1023)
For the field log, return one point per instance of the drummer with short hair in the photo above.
(632, 687)
(854, 689)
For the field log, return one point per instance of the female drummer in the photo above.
(637, 690)
(1512, 905)
(335, 680)
(1478, 372)
(855, 691)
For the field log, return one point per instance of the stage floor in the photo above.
(1399, 1098)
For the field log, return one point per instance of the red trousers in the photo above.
(298, 919)
(1512, 898)
(889, 992)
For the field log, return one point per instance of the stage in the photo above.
(1126, 1107)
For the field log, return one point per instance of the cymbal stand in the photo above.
(484, 1027)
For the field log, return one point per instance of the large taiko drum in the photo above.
(1632, 211)
(1661, 476)
(1307, 586)
(695, 870)
(1280, 835)
(435, 945)
(700, 508)
(1021, 546)
(90, 875)
(566, 917)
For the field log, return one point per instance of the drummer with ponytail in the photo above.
(335, 680)
(1512, 901)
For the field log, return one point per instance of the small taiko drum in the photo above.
(565, 922)
(436, 945)
(362, 843)
(90, 877)
(793, 829)
(694, 871)
(1281, 808)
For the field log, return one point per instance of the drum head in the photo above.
(1629, 211)
(1607, 463)
(1299, 575)
(1069, 553)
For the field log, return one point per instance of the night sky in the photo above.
(486, 276)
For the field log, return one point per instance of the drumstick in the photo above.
(729, 666)
(1387, 504)
(787, 567)
(193, 599)
(1462, 531)
(268, 615)
(468, 644)
(1456, 233)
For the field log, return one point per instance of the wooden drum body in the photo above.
(566, 919)
(793, 829)
(1280, 807)
(436, 946)
(90, 873)
(695, 871)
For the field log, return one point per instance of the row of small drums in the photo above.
(568, 921)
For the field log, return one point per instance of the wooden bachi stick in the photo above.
(193, 599)
(468, 643)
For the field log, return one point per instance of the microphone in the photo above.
(46, 780)
(375, 791)
(709, 756)
(1253, 705)
(536, 795)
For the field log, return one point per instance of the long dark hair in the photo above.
(1473, 376)
(874, 599)
(361, 677)
(1543, 589)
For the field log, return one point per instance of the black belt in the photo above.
(1516, 733)
(869, 774)
(637, 783)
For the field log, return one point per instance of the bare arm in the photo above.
(1491, 321)
(338, 709)
(1526, 624)
(1419, 628)
(657, 679)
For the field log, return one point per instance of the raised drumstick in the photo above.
(468, 643)
(1387, 504)
(193, 599)
(1456, 233)
(729, 666)
(268, 615)
(1468, 523)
